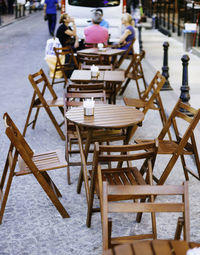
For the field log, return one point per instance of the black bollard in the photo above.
(140, 36)
(185, 96)
(165, 68)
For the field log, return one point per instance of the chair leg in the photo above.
(4, 194)
(52, 184)
(124, 87)
(91, 200)
(35, 118)
(139, 215)
(109, 232)
(29, 114)
(67, 159)
(196, 155)
(184, 168)
(138, 88)
(179, 228)
(55, 123)
(50, 193)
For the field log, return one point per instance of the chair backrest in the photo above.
(125, 153)
(111, 191)
(66, 51)
(70, 63)
(135, 65)
(189, 115)
(151, 99)
(125, 55)
(75, 98)
(138, 159)
(88, 87)
(15, 136)
(40, 84)
(86, 60)
(154, 87)
(18, 146)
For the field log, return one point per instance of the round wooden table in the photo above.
(152, 247)
(106, 116)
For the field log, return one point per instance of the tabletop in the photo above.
(106, 116)
(153, 247)
(105, 52)
(85, 75)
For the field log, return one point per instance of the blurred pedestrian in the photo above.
(133, 3)
(50, 7)
(129, 32)
(67, 34)
(103, 22)
(96, 33)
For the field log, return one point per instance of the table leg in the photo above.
(83, 175)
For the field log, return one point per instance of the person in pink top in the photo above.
(95, 33)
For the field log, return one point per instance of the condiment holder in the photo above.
(101, 47)
(94, 71)
(88, 106)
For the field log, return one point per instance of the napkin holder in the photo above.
(101, 47)
(94, 71)
(88, 106)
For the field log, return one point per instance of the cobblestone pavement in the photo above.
(31, 224)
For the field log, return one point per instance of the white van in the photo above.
(81, 11)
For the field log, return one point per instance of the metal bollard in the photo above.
(185, 96)
(140, 36)
(15, 9)
(20, 10)
(165, 68)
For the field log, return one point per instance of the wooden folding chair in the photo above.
(67, 67)
(109, 193)
(40, 84)
(129, 51)
(135, 72)
(29, 163)
(74, 98)
(150, 99)
(184, 142)
(117, 174)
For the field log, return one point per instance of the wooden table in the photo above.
(107, 52)
(152, 247)
(113, 80)
(105, 117)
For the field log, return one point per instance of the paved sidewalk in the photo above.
(8, 19)
(31, 224)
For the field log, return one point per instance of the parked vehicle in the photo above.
(81, 11)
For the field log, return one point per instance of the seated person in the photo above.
(103, 22)
(95, 33)
(65, 34)
(129, 32)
